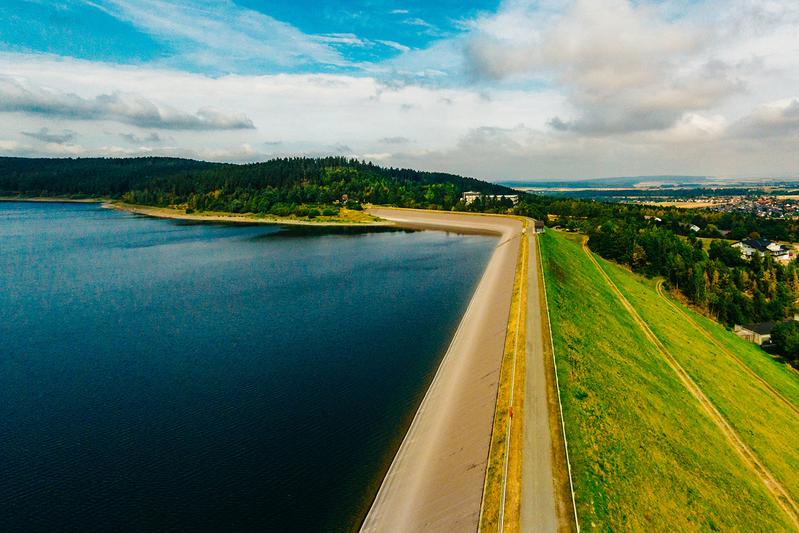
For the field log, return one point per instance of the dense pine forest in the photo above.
(283, 187)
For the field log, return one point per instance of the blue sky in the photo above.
(510, 89)
(361, 31)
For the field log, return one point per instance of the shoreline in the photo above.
(53, 200)
(234, 218)
(436, 479)
(167, 213)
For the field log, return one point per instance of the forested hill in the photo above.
(257, 187)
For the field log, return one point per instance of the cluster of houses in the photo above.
(762, 207)
(764, 247)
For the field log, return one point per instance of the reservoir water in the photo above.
(156, 375)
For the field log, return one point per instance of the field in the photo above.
(646, 454)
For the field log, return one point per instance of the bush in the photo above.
(281, 210)
(785, 337)
(313, 213)
(329, 211)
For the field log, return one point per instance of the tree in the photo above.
(785, 337)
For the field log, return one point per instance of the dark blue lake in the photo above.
(162, 376)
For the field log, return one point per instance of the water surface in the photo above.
(156, 375)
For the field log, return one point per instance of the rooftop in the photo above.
(761, 328)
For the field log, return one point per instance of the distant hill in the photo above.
(257, 187)
(629, 181)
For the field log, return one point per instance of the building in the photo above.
(471, 196)
(759, 333)
(694, 228)
(764, 247)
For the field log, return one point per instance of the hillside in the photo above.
(598, 183)
(278, 186)
(669, 420)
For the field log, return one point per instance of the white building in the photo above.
(471, 196)
(764, 247)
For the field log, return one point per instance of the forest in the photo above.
(287, 186)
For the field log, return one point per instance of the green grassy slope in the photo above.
(644, 454)
(763, 422)
(779, 375)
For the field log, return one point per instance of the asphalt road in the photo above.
(539, 511)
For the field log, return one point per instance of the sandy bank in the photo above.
(235, 218)
(435, 482)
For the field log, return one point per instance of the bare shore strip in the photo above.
(435, 482)
(242, 218)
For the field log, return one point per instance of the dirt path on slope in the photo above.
(726, 351)
(781, 496)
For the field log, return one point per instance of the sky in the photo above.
(507, 90)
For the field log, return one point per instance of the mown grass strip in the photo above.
(502, 489)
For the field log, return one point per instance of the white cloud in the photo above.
(45, 135)
(770, 120)
(623, 67)
(395, 45)
(116, 105)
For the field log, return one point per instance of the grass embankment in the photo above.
(779, 377)
(763, 419)
(504, 470)
(645, 455)
(343, 217)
